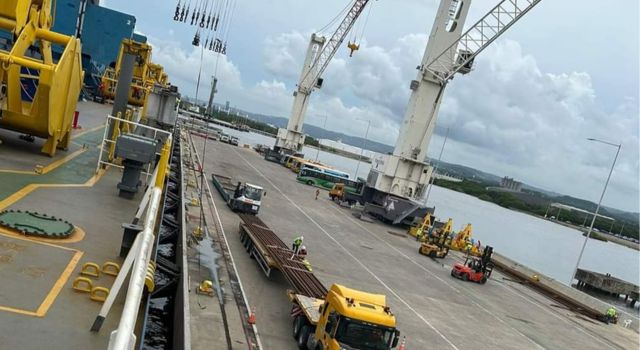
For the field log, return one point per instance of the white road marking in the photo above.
(440, 279)
(504, 286)
(351, 255)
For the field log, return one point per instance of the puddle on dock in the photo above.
(208, 258)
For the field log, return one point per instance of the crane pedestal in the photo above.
(394, 189)
(289, 141)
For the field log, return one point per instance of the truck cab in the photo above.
(346, 319)
(247, 198)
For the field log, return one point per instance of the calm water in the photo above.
(539, 244)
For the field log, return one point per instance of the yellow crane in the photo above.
(38, 95)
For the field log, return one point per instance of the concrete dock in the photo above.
(433, 309)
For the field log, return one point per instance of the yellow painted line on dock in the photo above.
(77, 235)
(21, 193)
(88, 131)
(57, 286)
(54, 165)
(62, 160)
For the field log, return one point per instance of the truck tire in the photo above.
(303, 337)
(298, 322)
(465, 277)
(483, 280)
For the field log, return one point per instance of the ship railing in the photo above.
(116, 126)
(138, 259)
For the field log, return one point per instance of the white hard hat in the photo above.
(303, 248)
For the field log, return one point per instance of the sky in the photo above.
(566, 72)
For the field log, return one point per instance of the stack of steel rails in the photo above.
(274, 251)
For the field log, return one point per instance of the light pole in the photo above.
(595, 215)
(366, 134)
(433, 177)
(324, 126)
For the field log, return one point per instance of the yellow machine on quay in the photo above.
(437, 238)
(38, 95)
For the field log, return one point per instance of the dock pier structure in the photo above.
(606, 283)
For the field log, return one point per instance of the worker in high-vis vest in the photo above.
(611, 314)
(297, 242)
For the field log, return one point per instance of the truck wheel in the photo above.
(432, 254)
(303, 337)
(483, 280)
(453, 274)
(297, 325)
(465, 277)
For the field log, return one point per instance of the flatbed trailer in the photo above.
(245, 198)
(317, 312)
(272, 253)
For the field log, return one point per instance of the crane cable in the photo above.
(340, 14)
(366, 20)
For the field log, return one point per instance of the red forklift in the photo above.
(475, 269)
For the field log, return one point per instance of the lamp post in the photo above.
(366, 134)
(324, 126)
(595, 215)
(433, 175)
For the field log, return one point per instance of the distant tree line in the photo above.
(511, 201)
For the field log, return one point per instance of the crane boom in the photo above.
(461, 53)
(329, 50)
(396, 184)
(291, 139)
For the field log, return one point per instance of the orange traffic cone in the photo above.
(252, 316)
(404, 339)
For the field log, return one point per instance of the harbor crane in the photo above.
(318, 56)
(396, 184)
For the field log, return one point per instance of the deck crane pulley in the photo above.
(395, 186)
(291, 139)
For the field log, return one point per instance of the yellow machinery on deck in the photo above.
(139, 89)
(38, 95)
(156, 75)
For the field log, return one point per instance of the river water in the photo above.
(542, 245)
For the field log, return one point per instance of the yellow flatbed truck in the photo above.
(344, 319)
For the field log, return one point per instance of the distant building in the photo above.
(226, 106)
(511, 184)
(346, 148)
(446, 177)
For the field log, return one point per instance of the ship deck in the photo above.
(38, 307)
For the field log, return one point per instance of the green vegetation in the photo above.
(596, 235)
(535, 203)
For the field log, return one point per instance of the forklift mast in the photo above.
(486, 257)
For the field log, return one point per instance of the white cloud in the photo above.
(508, 116)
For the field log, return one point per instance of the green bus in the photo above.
(321, 178)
